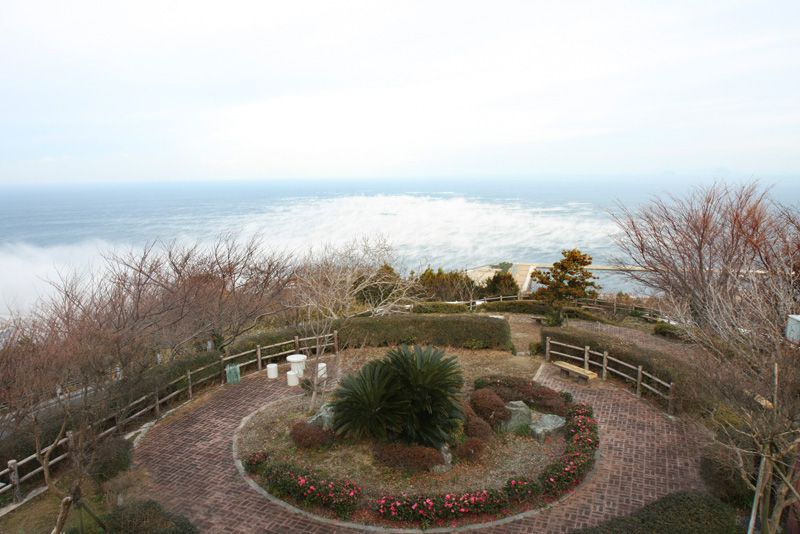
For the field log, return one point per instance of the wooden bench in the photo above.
(537, 318)
(567, 369)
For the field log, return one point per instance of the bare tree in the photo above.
(335, 283)
(726, 261)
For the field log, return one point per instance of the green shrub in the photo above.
(573, 312)
(489, 406)
(685, 512)
(440, 307)
(471, 331)
(534, 347)
(411, 393)
(516, 306)
(723, 480)
(686, 389)
(146, 516)
(308, 436)
(111, 456)
(670, 331)
(411, 458)
(553, 318)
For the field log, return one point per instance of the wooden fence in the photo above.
(605, 363)
(150, 406)
(615, 307)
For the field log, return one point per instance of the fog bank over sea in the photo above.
(45, 229)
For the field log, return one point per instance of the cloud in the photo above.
(186, 90)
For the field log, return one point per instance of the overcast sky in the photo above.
(173, 90)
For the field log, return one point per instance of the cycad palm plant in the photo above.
(411, 394)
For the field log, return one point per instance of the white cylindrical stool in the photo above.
(322, 370)
(298, 362)
(272, 370)
(292, 379)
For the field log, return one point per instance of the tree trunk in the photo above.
(63, 513)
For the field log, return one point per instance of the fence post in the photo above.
(297, 343)
(586, 358)
(158, 406)
(670, 406)
(639, 381)
(547, 349)
(336, 342)
(258, 356)
(189, 383)
(222, 369)
(14, 476)
(605, 363)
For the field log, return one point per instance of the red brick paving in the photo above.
(644, 455)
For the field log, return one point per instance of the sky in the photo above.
(193, 90)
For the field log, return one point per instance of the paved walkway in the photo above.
(643, 456)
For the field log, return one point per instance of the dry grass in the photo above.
(507, 455)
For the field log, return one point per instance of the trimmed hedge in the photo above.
(664, 366)
(723, 481)
(516, 306)
(111, 456)
(440, 307)
(146, 516)
(685, 512)
(669, 331)
(466, 331)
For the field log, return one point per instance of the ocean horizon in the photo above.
(456, 224)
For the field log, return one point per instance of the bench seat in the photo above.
(568, 369)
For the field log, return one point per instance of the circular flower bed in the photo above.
(346, 497)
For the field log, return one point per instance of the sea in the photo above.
(49, 230)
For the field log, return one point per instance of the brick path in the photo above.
(643, 456)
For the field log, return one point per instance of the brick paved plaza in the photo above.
(644, 455)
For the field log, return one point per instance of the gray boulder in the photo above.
(323, 418)
(546, 425)
(520, 416)
(447, 456)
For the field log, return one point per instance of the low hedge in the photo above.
(686, 390)
(685, 512)
(111, 456)
(466, 331)
(440, 307)
(516, 306)
(146, 516)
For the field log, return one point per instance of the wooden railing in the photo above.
(615, 307)
(150, 405)
(605, 363)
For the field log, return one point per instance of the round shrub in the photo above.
(410, 394)
(412, 458)
(687, 512)
(470, 450)
(308, 436)
(723, 480)
(146, 516)
(111, 456)
(489, 406)
(476, 427)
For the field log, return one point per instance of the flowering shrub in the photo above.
(255, 460)
(521, 489)
(449, 506)
(413, 458)
(341, 496)
(308, 436)
(582, 441)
